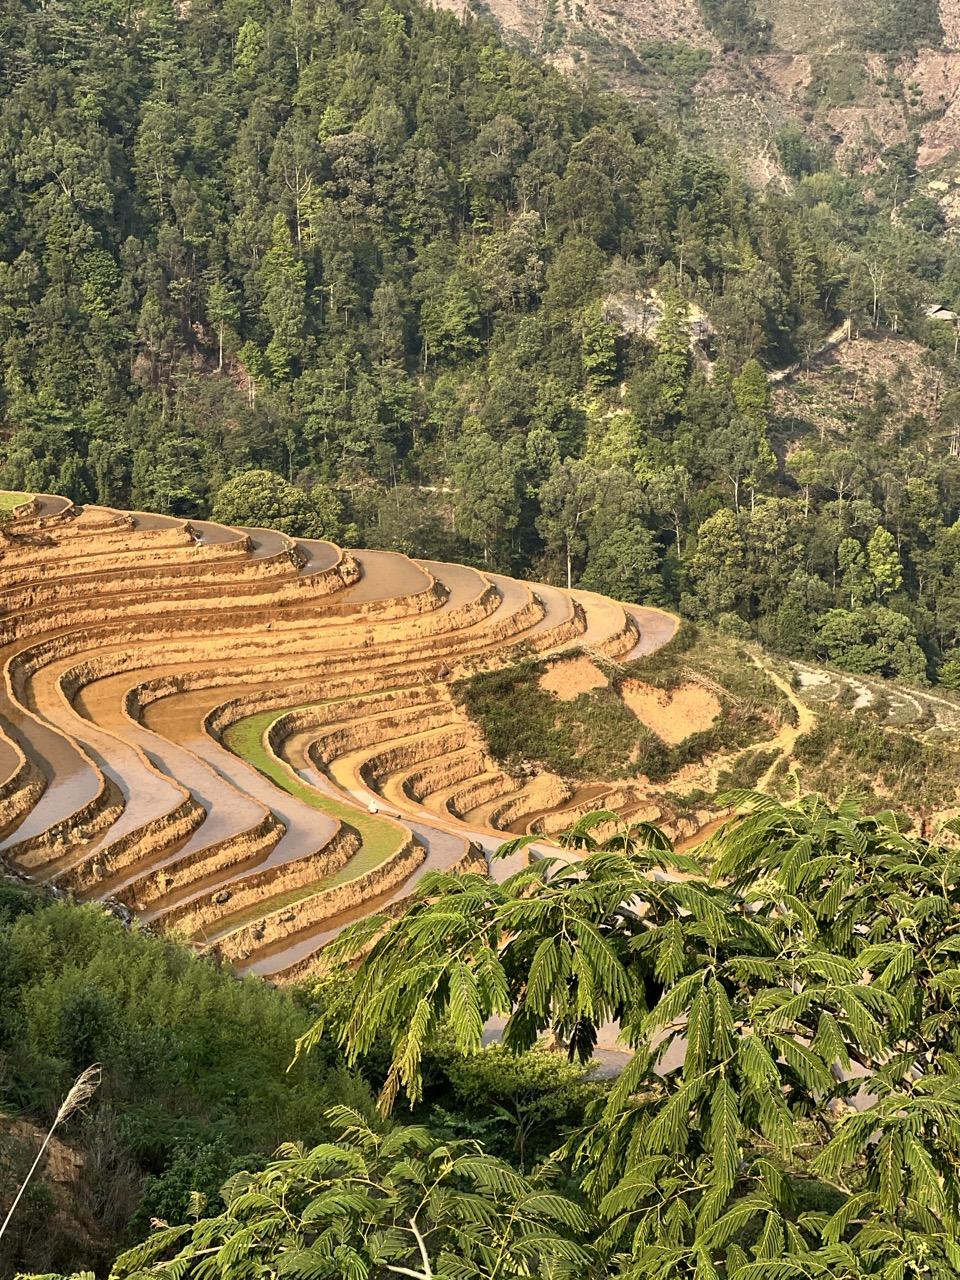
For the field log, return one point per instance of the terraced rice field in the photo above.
(252, 739)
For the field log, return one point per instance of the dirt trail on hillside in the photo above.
(786, 739)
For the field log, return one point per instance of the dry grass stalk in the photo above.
(83, 1090)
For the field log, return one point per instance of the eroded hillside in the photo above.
(853, 79)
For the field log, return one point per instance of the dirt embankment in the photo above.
(672, 714)
(118, 617)
(567, 680)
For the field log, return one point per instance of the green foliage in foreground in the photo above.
(196, 1085)
(792, 1108)
(76, 987)
(195, 1079)
(377, 1204)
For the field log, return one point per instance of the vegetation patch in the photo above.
(591, 736)
(197, 1082)
(680, 62)
(737, 24)
(838, 79)
(195, 1079)
(10, 499)
(380, 839)
(859, 753)
(596, 734)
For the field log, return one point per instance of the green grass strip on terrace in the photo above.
(379, 838)
(9, 499)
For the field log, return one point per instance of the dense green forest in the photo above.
(377, 254)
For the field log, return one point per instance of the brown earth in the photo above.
(61, 1172)
(740, 102)
(129, 643)
(674, 714)
(567, 680)
(851, 372)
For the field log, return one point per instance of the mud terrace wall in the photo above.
(472, 863)
(132, 643)
(21, 790)
(551, 793)
(232, 853)
(194, 917)
(324, 905)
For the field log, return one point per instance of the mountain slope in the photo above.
(853, 79)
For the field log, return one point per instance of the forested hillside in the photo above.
(450, 296)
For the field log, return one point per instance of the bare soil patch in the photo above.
(674, 714)
(950, 21)
(567, 680)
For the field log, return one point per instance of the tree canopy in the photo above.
(500, 316)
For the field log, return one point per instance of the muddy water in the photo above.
(605, 618)
(52, 505)
(71, 782)
(210, 533)
(513, 595)
(228, 810)
(265, 542)
(558, 608)
(443, 849)
(463, 584)
(319, 555)
(9, 760)
(146, 795)
(148, 520)
(385, 574)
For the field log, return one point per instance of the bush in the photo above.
(195, 1061)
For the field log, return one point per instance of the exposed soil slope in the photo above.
(238, 735)
(820, 69)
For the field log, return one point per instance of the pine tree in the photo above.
(883, 559)
(283, 278)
